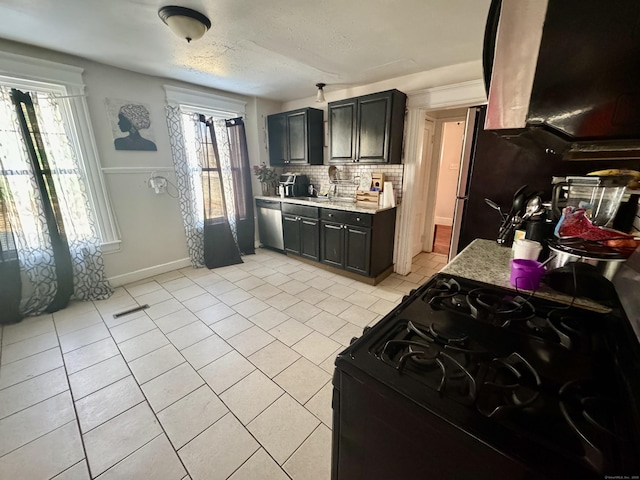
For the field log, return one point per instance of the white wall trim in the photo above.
(40, 70)
(414, 133)
(457, 94)
(446, 221)
(418, 103)
(66, 82)
(226, 106)
(143, 273)
(128, 170)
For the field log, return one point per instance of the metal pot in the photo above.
(606, 264)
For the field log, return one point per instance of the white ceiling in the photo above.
(277, 49)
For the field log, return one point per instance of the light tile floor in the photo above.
(226, 375)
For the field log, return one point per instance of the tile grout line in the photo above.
(73, 403)
(197, 370)
(146, 400)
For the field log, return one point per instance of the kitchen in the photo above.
(428, 100)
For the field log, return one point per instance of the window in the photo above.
(66, 84)
(206, 106)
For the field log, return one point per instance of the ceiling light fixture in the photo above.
(320, 95)
(184, 22)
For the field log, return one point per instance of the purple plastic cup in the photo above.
(526, 274)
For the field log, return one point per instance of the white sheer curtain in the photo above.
(25, 205)
(182, 137)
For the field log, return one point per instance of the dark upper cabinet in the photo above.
(342, 131)
(367, 129)
(296, 137)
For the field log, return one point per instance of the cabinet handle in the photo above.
(330, 215)
(357, 219)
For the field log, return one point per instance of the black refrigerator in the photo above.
(494, 167)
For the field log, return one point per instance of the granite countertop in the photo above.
(336, 205)
(486, 261)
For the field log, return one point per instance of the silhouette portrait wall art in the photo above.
(131, 125)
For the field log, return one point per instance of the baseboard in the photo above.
(143, 273)
(447, 222)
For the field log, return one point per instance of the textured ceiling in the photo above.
(277, 49)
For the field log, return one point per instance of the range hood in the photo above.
(566, 74)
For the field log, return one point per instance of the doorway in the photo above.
(441, 189)
(451, 140)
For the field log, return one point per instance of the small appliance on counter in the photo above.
(600, 195)
(293, 185)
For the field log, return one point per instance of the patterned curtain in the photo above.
(47, 204)
(188, 174)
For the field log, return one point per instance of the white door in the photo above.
(419, 207)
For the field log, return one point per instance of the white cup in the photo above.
(526, 249)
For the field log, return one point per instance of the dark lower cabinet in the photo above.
(291, 234)
(361, 243)
(357, 249)
(310, 238)
(332, 241)
(301, 231)
(346, 246)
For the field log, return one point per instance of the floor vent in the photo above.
(131, 310)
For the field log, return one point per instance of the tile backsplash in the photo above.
(319, 175)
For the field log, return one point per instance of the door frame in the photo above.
(463, 94)
(422, 202)
(434, 174)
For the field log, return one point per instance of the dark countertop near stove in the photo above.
(486, 261)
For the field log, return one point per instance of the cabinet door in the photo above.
(277, 130)
(342, 131)
(373, 128)
(357, 249)
(291, 233)
(310, 238)
(297, 137)
(332, 243)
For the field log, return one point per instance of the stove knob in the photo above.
(365, 330)
(353, 339)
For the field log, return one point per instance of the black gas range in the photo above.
(469, 381)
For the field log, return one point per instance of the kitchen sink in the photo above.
(315, 199)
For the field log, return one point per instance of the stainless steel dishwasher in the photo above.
(270, 223)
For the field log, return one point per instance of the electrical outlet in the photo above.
(159, 184)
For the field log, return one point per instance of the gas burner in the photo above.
(429, 363)
(440, 335)
(538, 324)
(448, 289)
(592, 417)
(511, 383)
(570, 330)
(497, 308)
